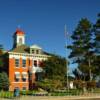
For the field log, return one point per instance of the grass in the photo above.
(65, 93)
(6, 94)
(72, 92)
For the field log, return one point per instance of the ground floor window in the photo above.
(17, 76)
(24, 88)
(35, 63)
(16, 79)
(24, 79)
(39, 76)
(16, 87)
(24, 76)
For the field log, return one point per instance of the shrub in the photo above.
(6, 94)
(91, 84)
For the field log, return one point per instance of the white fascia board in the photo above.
(24, 55)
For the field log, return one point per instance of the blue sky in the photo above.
(43, 21)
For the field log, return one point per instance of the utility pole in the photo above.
(66, 44)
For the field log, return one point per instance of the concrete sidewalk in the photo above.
(62, 98)
(96, 97)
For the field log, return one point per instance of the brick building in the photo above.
(24, 62)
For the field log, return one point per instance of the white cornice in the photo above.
(28, 55)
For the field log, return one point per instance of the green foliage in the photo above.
(84, 84)
(81, 41)
(96, 65)
(50, 85)
(55, 71)
(80, 84)
(55, 67)
(82, 48)
(6, 94)
(33, 93)
(4, 81)
(97, 35)
(77, 74)
(91, 84)
(1, 56)
(46, 84)
(66, 92)
(1, 62)
(1, 49)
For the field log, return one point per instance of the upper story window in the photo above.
(17, 62)
(37, 51)
(23, 63)
(33, 51)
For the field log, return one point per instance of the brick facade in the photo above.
(22, 67)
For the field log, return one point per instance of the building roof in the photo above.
(35, 47)
(21, 49)
(25, 49)
(19, 32)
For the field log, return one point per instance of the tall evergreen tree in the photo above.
(97, 46)
(97, 35)
(82, 46)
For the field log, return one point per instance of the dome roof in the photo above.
(19, 31)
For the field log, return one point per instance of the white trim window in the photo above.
(17, 62)
(24, 88)
(24, 63)
(35, 63)
(24, 76)
(17, 76)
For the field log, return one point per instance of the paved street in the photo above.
(56, 98)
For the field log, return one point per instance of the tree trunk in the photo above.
(90, 73)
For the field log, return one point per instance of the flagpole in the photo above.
(66, 43)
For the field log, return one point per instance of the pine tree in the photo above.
(97, 35)
(82, 46)
(97, 46)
